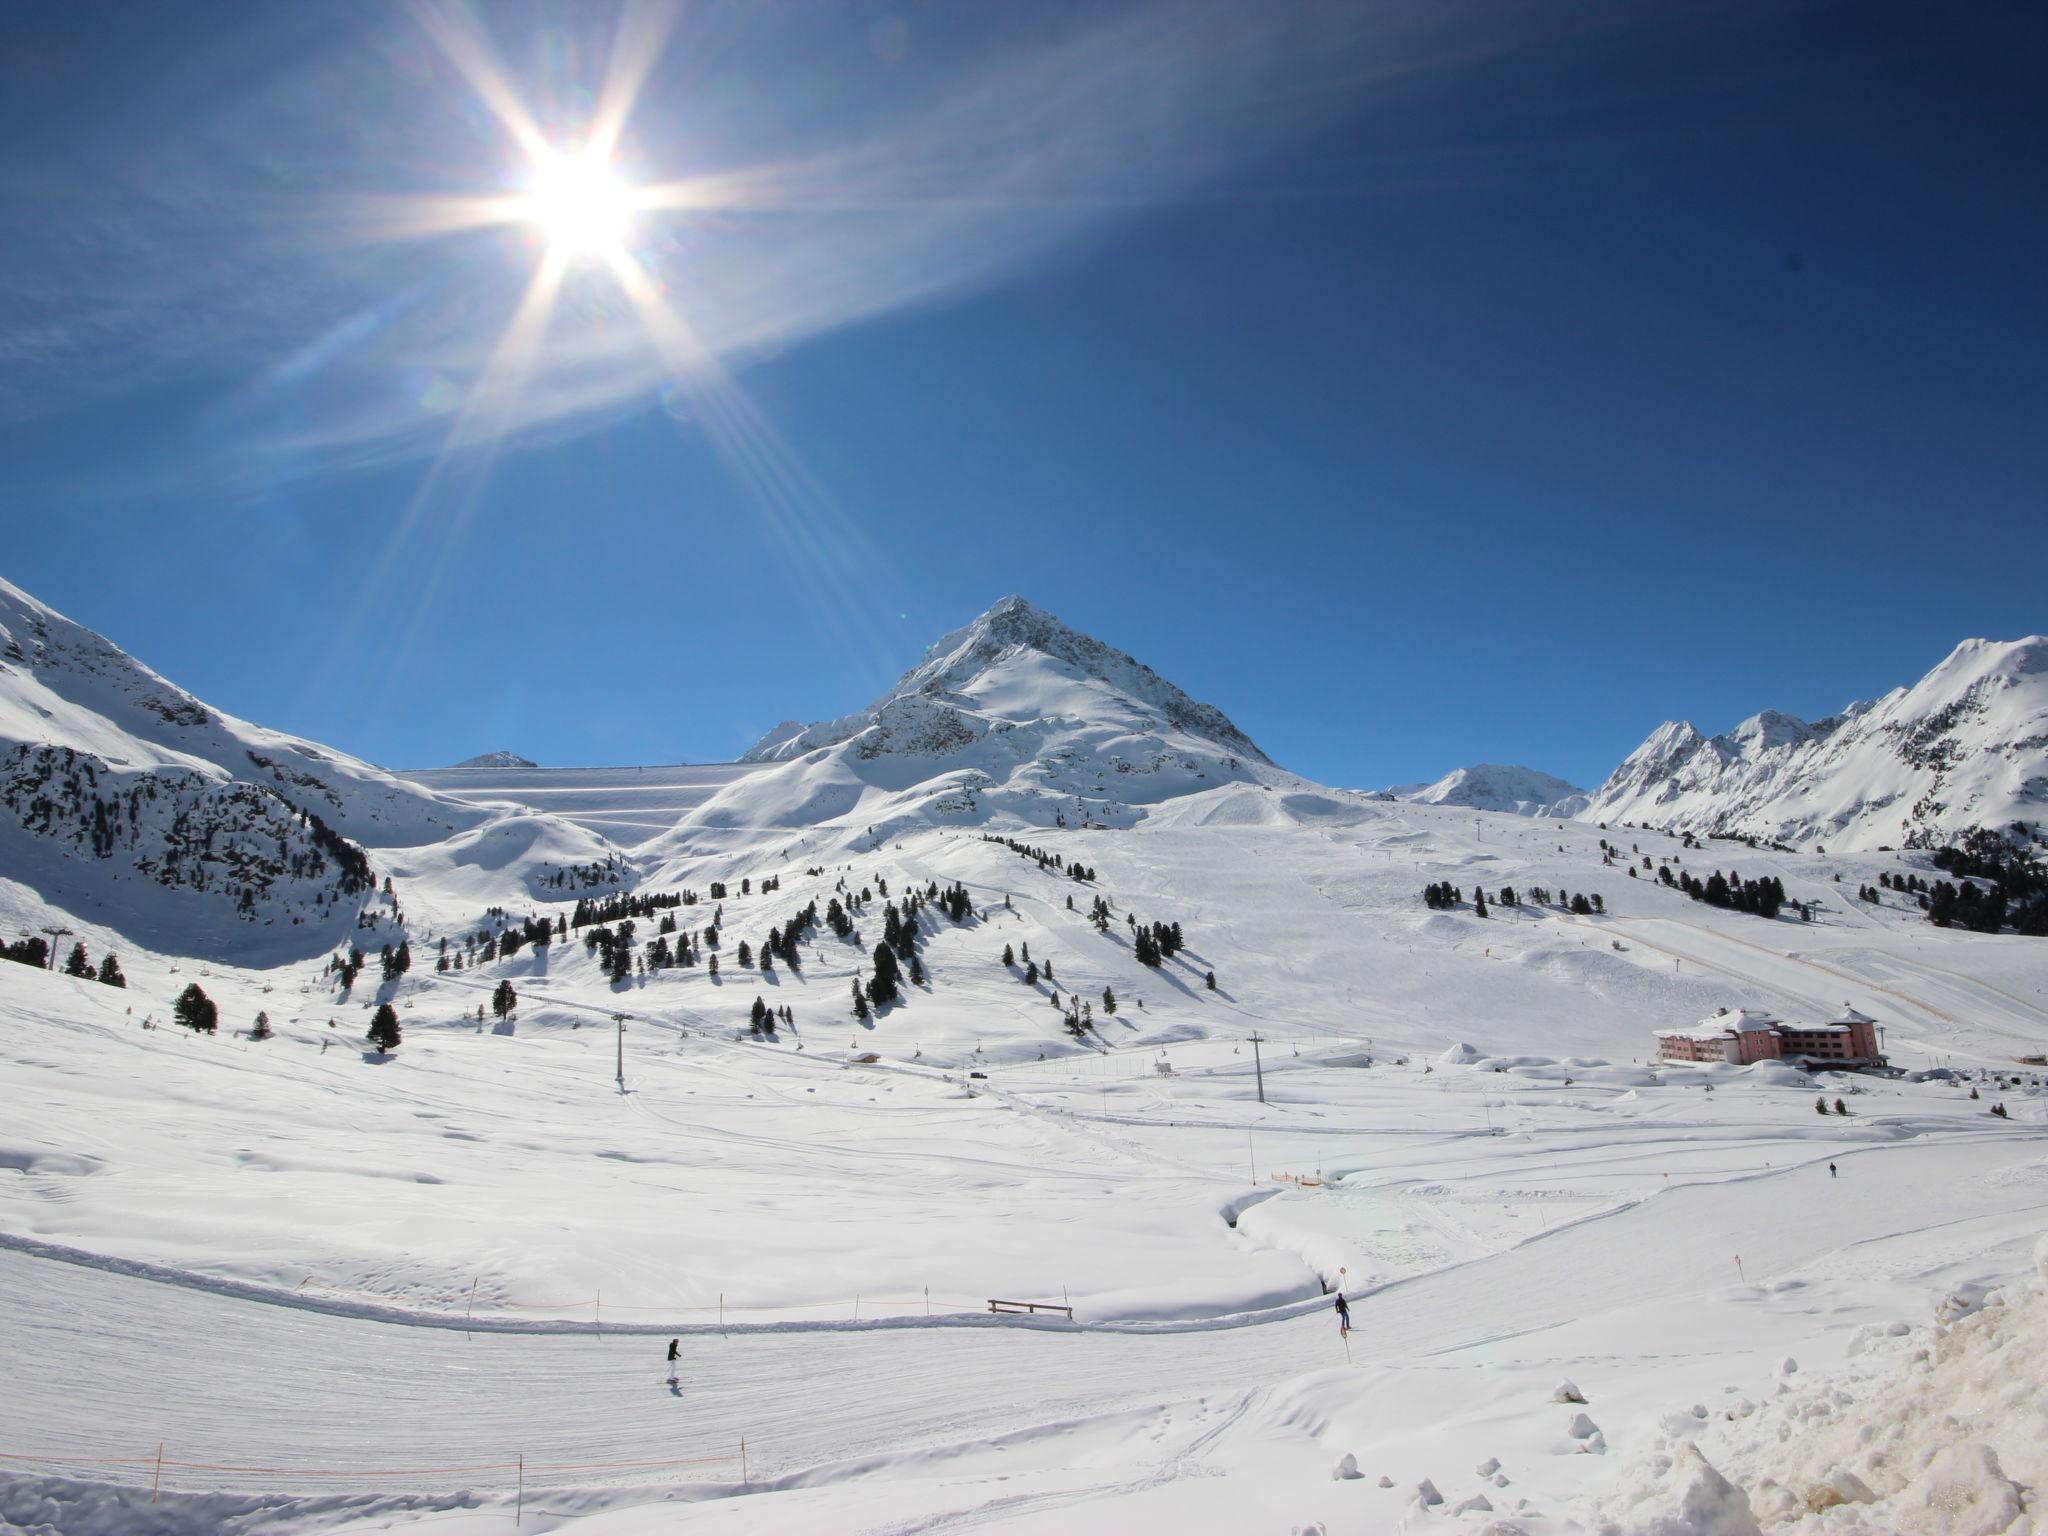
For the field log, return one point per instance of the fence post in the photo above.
(600, 1309)
(470, 1305)
(743, 1460)
(519, 1509)
(154, 1481)
(856, 1306)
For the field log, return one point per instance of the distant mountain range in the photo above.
(1497, 787)
(1965, 747)
(126, 800)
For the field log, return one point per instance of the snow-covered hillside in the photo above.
(1500, 787)
(126, 801)
(495, 760)
(1965, 747)
(1014, 717)
(339, 1289)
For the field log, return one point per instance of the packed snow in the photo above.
(336, 1289)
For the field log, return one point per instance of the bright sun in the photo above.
(580, 204)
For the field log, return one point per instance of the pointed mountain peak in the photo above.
(1010, 629)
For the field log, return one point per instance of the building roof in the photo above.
(1849, 1015)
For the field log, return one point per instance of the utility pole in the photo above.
(620, 1020)
(1258, 1068)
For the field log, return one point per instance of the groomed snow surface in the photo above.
(293, 1285)
(351, 1293)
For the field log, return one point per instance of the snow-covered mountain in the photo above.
(127, 801)
(1966, 746)
(1499, 787)
(1015, 712)
(495, 760)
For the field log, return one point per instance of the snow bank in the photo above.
(1944, 1445)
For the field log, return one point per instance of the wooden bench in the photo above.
(1031, 1307)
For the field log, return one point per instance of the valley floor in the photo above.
(352, 1292)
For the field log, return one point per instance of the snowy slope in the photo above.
(1500, 787)
(1966, 746)
(1014, 716)
(495, 760)
(125, 800)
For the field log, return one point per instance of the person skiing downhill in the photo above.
(675, 1349)
(1343, 1314)
(1831, 1171)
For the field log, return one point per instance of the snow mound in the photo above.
(1682, 1495)
(1945, 1444)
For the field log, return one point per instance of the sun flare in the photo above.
(579, 203)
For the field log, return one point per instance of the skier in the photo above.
(1832, 1173)
(675, 1349)
(1343, 1314)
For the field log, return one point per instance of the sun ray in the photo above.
(462, 42)
(822, 552)
(642, 33)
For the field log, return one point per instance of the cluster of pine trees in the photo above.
(35, 951)
(1042, 857)
(2015, 890)
(608, 871)
(762, 1020)
(1763, 897)
(1032, 973)
(1443, 895)
(1155, 943)
(610, 909)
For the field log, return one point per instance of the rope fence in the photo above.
(517, 1471)
(465, 1302)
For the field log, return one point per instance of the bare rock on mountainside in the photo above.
(127, 801)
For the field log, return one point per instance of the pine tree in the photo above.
(504, 999)
(1031, 974)
(1108, 1000)
(76, 963)
(261, 1029)
(196, 1011)
(882, 988)
(384, 1028)
(916, 970)
(758, 1014)
(1211, 979)
(110, 971)
(1009, 955)
(860, 1004)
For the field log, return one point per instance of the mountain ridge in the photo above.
(1964, 747)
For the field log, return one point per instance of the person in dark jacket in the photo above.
(1343, 1314)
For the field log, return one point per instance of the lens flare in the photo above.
(579, 203)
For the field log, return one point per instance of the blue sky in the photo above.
(1420, 385)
